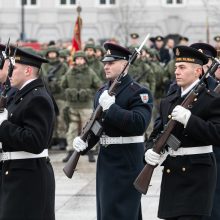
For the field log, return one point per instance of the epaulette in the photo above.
(134, 86)
(212, 93)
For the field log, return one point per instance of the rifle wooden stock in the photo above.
(143, 180)
(3, 100)
(72, 162)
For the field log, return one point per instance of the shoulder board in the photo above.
(135, 86)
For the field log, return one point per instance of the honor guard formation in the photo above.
(127, 108)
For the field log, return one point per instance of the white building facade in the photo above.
(46, 20)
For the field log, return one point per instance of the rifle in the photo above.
(217, 88)
(93, 126)
(5, 55)
(142, 182)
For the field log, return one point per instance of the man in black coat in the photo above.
(126, 116)
(189, 174)
(27, 188)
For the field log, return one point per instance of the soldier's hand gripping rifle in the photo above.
(142, 182)
(3, 56)
(93, 126)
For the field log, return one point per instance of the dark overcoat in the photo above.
(118, 165)
(27, 186)
(188, 182)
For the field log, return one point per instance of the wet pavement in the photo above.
(75, 198)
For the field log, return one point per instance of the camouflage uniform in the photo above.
(52, 72)
(80, 84)
(95, 63)
(143, 74)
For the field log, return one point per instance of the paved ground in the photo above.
(75, 198)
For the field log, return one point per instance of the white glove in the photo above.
(152, 157)
(3, 116)
(105, 100)
(79, 144)
(181, 115)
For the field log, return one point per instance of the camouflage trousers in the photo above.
(60, 127)
(77, 119)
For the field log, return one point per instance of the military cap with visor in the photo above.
(115, 52)
(207, 49)
(134, 35)
(158, 38)
(189, 55)
(182, 38)
(217, 38)
(27, 57)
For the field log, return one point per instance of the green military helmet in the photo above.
(52, 49)
(64, 53)
(90, 46)
(102, 49)
(131, 48)
(155, 53)
(79, 53)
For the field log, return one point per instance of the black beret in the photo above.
(189, 55)
(207, 49)
(134, 35)
(25, 56)
(115, 52)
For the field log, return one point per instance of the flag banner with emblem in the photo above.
(76, 41)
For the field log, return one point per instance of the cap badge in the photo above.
(200, 50)
(108, 52)
(177, 52)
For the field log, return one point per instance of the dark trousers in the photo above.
(188, 217)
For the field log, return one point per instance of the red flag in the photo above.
(76, 41)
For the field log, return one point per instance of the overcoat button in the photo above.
(6, 173)
(168, 171)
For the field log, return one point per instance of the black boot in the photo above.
(62, 143)
(91, 156)
(69, 154)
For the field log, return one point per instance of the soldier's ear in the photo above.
(28, 70)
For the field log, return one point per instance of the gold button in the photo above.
(168, 170)
(6, 173)
(11, 114)
(195, 99)
(183, 169)
(35, 89)
(169, 116)
(21, 99)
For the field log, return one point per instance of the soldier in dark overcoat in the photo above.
(126, 116)
(28, 187)
(189, 174)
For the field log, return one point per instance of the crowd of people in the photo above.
(50, 94)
